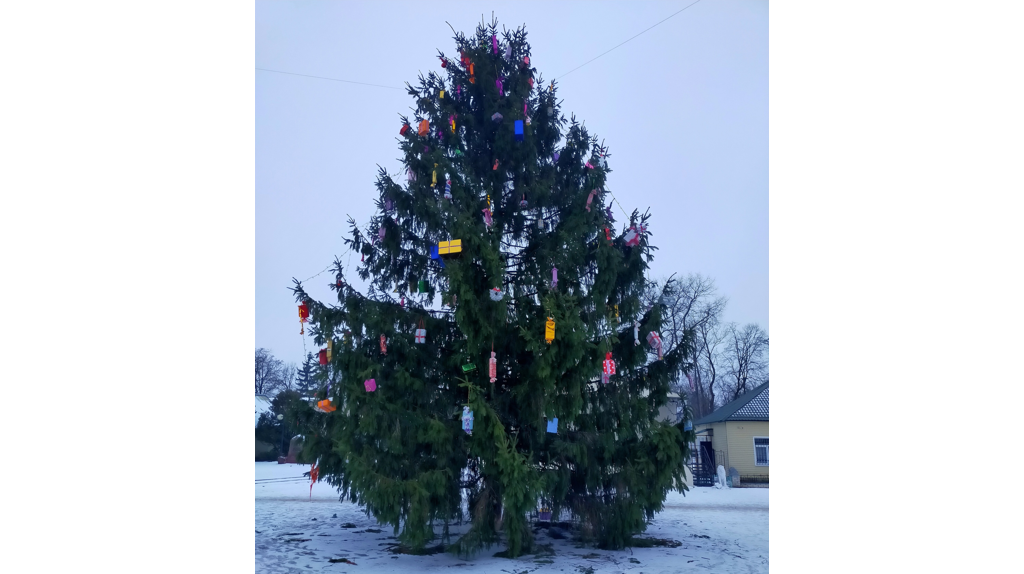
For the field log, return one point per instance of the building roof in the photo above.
(750, 406)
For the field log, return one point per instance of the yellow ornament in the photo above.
(434, 182)
(549, 330)
(330, 347)
(442, 94)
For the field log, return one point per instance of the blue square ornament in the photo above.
(519, 130)
(553, 425)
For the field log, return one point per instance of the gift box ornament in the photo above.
(370, 384)
(632, 237)
(323, 357)
(449, 248)
(448, 189)
(519, 130)
(441, 94)
(605, 378)
(654, 340)
(424, 128)
(325, 406)
(404, 130)
(468, 368)
(549, 330)
(422, 286)
(421, 334)
(496, 294)
(330, 349)
(553, 425)
(467, 420)
(554, 157)
(492, 368)
(609, 364)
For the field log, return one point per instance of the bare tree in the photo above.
(691, 315)
(746, 358)
(271, 373)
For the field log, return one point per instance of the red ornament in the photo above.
(444, 63)
(303, 317)
(609, 364)
(530, 82)
(404, 130)
(383, 345)
(608, 235)
(323, 356)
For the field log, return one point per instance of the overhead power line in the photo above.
(332, 79)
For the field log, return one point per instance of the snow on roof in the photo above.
(752, 406)
(262, 406)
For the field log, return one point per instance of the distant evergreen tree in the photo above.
(521, 206)
(305, 377)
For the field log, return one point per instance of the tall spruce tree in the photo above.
(521, 207)
(305, 376)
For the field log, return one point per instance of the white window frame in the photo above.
(757, 446)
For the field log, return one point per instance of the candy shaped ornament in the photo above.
(609, 364)
(448, 189)
(554, 277)
(467, 420)
(492, 368)
(549, 330)
(496, 294)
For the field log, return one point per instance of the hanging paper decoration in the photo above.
(495, 168)
(472, 77)
(590, 198)
(451, 119)
(467, 420)
(442, 94)
(402, 303)
(410, 175)
(458, 152)
(383, 345)
(688, 426)
(381, 232)
(494, 43)
(426, 149)
(551, 111)
(323, 356)
(654, 340)
(448, 189)
(554, 277)
(423, 286)
(488, 220)
(544, 515)
(496, 117)
(553, 425)
(519, 130)
(496, 294)
(608, 213)
(388, 205)
(617, 320)
(424, 128)
(608, 235)
(404, 130)
(450, 248)
(370, 385)
(589, 166)
(492, 368)
(325, 406)
(421, 333)
(444, 63)
(508, 52)
(433, 181)
(489, 206)
(526, 60)
(636, 333)
(338, 282)
(303, 317)
(497, 84)
(529, 82)
(555, 157)
(549, 330)
(609, 364)
(632, 237)
(468, 368)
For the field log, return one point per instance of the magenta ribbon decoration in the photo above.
(590, 198)
(494, 43)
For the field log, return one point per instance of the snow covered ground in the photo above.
(720, 531)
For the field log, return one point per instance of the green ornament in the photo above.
(468, 368)
(423, 286)
(458, 152)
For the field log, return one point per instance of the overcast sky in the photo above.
(683, 109)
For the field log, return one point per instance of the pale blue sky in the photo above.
(683, 108)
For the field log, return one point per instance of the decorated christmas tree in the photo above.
(500, 360)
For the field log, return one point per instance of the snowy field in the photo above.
(720, 531)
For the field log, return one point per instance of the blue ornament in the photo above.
(553, 425)
(519, 130)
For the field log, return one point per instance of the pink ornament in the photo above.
(487, 217)
(609, 364)
(589, 166)
(590, 198)
(492, 368)
(370, 384)
(632, 237)
(494, 43)
(554, 277)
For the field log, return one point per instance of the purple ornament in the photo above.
(556, 157)
(554, 277)
(608, 212)
(388, 205)
(494, 43)
(498, 84)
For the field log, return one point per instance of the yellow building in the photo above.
(736, 437)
